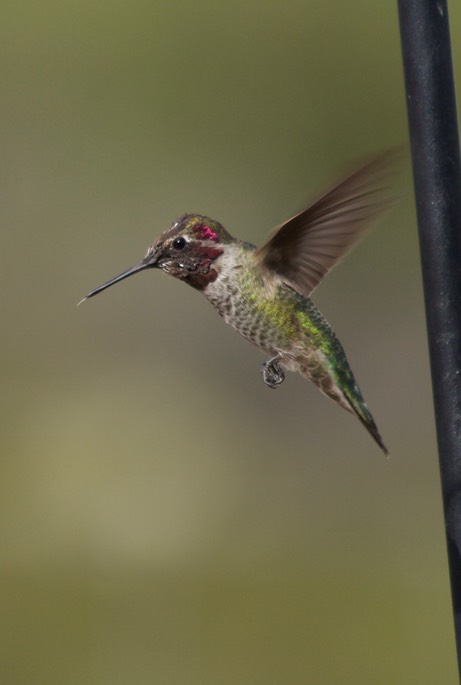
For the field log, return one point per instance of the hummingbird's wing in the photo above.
(307, 246)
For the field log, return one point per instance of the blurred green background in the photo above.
(164, 517)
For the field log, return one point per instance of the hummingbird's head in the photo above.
(187, 250)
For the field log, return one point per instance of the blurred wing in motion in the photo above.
(306, 247)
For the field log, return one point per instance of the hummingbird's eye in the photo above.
(179, 243)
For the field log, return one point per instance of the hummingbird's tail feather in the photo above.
(360, 409)
(339, 385)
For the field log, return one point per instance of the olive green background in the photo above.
(165, 518)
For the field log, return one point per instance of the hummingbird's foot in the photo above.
(272, 373)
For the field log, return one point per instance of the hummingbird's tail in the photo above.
(359, 408)
(338, 383)
(344, 390)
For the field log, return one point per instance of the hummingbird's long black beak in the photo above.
(134, 270)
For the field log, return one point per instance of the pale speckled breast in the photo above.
(264, 314)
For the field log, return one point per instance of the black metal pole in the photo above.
(434, 138)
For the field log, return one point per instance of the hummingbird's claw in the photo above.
(272, 373)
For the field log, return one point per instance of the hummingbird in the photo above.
(265, 293)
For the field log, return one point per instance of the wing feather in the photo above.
(306, 247)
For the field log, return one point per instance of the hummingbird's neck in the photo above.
(230, 267)
(204, 271)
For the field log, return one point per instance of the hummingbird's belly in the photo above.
(300, 355)
(257, 327)
(276, 320)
